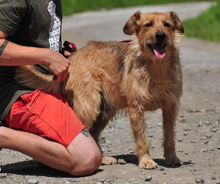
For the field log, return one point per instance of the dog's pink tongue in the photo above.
(159, 51)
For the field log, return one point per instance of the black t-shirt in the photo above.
(34, 23)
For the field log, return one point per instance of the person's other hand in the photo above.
(58, 64)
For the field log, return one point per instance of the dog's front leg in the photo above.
(142, 143)
(169, 118)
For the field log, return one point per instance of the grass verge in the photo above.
(206, 26)
(77, 6)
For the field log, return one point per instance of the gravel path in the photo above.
(198, 124)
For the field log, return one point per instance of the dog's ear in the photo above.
(177, 23)
(133, 24)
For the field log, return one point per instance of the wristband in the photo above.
(2, 48)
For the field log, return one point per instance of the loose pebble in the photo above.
(208, 135)
(199, 180)
(208, 123)
(213, 177)
(3, 175)
(99, 182)
(204, 150)
(148, 178)
(199, 124)
(33, 181)
(121, 161)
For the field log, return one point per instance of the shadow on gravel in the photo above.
(161, 162)
(35, 168)
(133, 159)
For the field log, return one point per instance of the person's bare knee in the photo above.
(90, 162)
(86, 155)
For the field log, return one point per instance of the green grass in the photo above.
(77, 6)
(206, 26)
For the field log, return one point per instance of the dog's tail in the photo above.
(29, 76)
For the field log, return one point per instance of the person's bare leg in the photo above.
(81, 157)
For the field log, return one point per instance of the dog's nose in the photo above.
(160, 35)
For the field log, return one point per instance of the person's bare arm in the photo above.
(17, 55)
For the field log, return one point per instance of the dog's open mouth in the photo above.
(159, 50)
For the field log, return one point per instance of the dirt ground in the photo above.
(197, 136)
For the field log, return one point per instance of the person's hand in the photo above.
(58, 64)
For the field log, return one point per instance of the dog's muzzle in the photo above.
(159, 45)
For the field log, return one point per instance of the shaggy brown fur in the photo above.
(138, 76)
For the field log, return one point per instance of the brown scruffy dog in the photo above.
(141, 75)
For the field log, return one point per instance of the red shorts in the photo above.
(45, 114)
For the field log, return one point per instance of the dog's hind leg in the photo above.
(142, 143)
(98, 126)
(169, 117)
(96, 130)
(84, 97)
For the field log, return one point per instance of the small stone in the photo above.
(159, 124)
(199, 180)
(131, 152)
(121, 161)
(132, 179)
(182, 120)
(99, 182)
(218, 147)
(200, 124)
(213, 177)
(208, 123)
(3, 175)
(187, 129)
(33, 181)
(148, 178)
(185, 133)
(203, 138)
(208, 135)
(103, 180)
(217, 182)
(203, 150)
(108, 142)
(215, 129)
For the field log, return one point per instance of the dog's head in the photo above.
(157, 32)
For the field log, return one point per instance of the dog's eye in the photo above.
(167, 25)
(148, 24)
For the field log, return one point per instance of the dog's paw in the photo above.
(173, 161)
(147, 163)
(108, 160)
